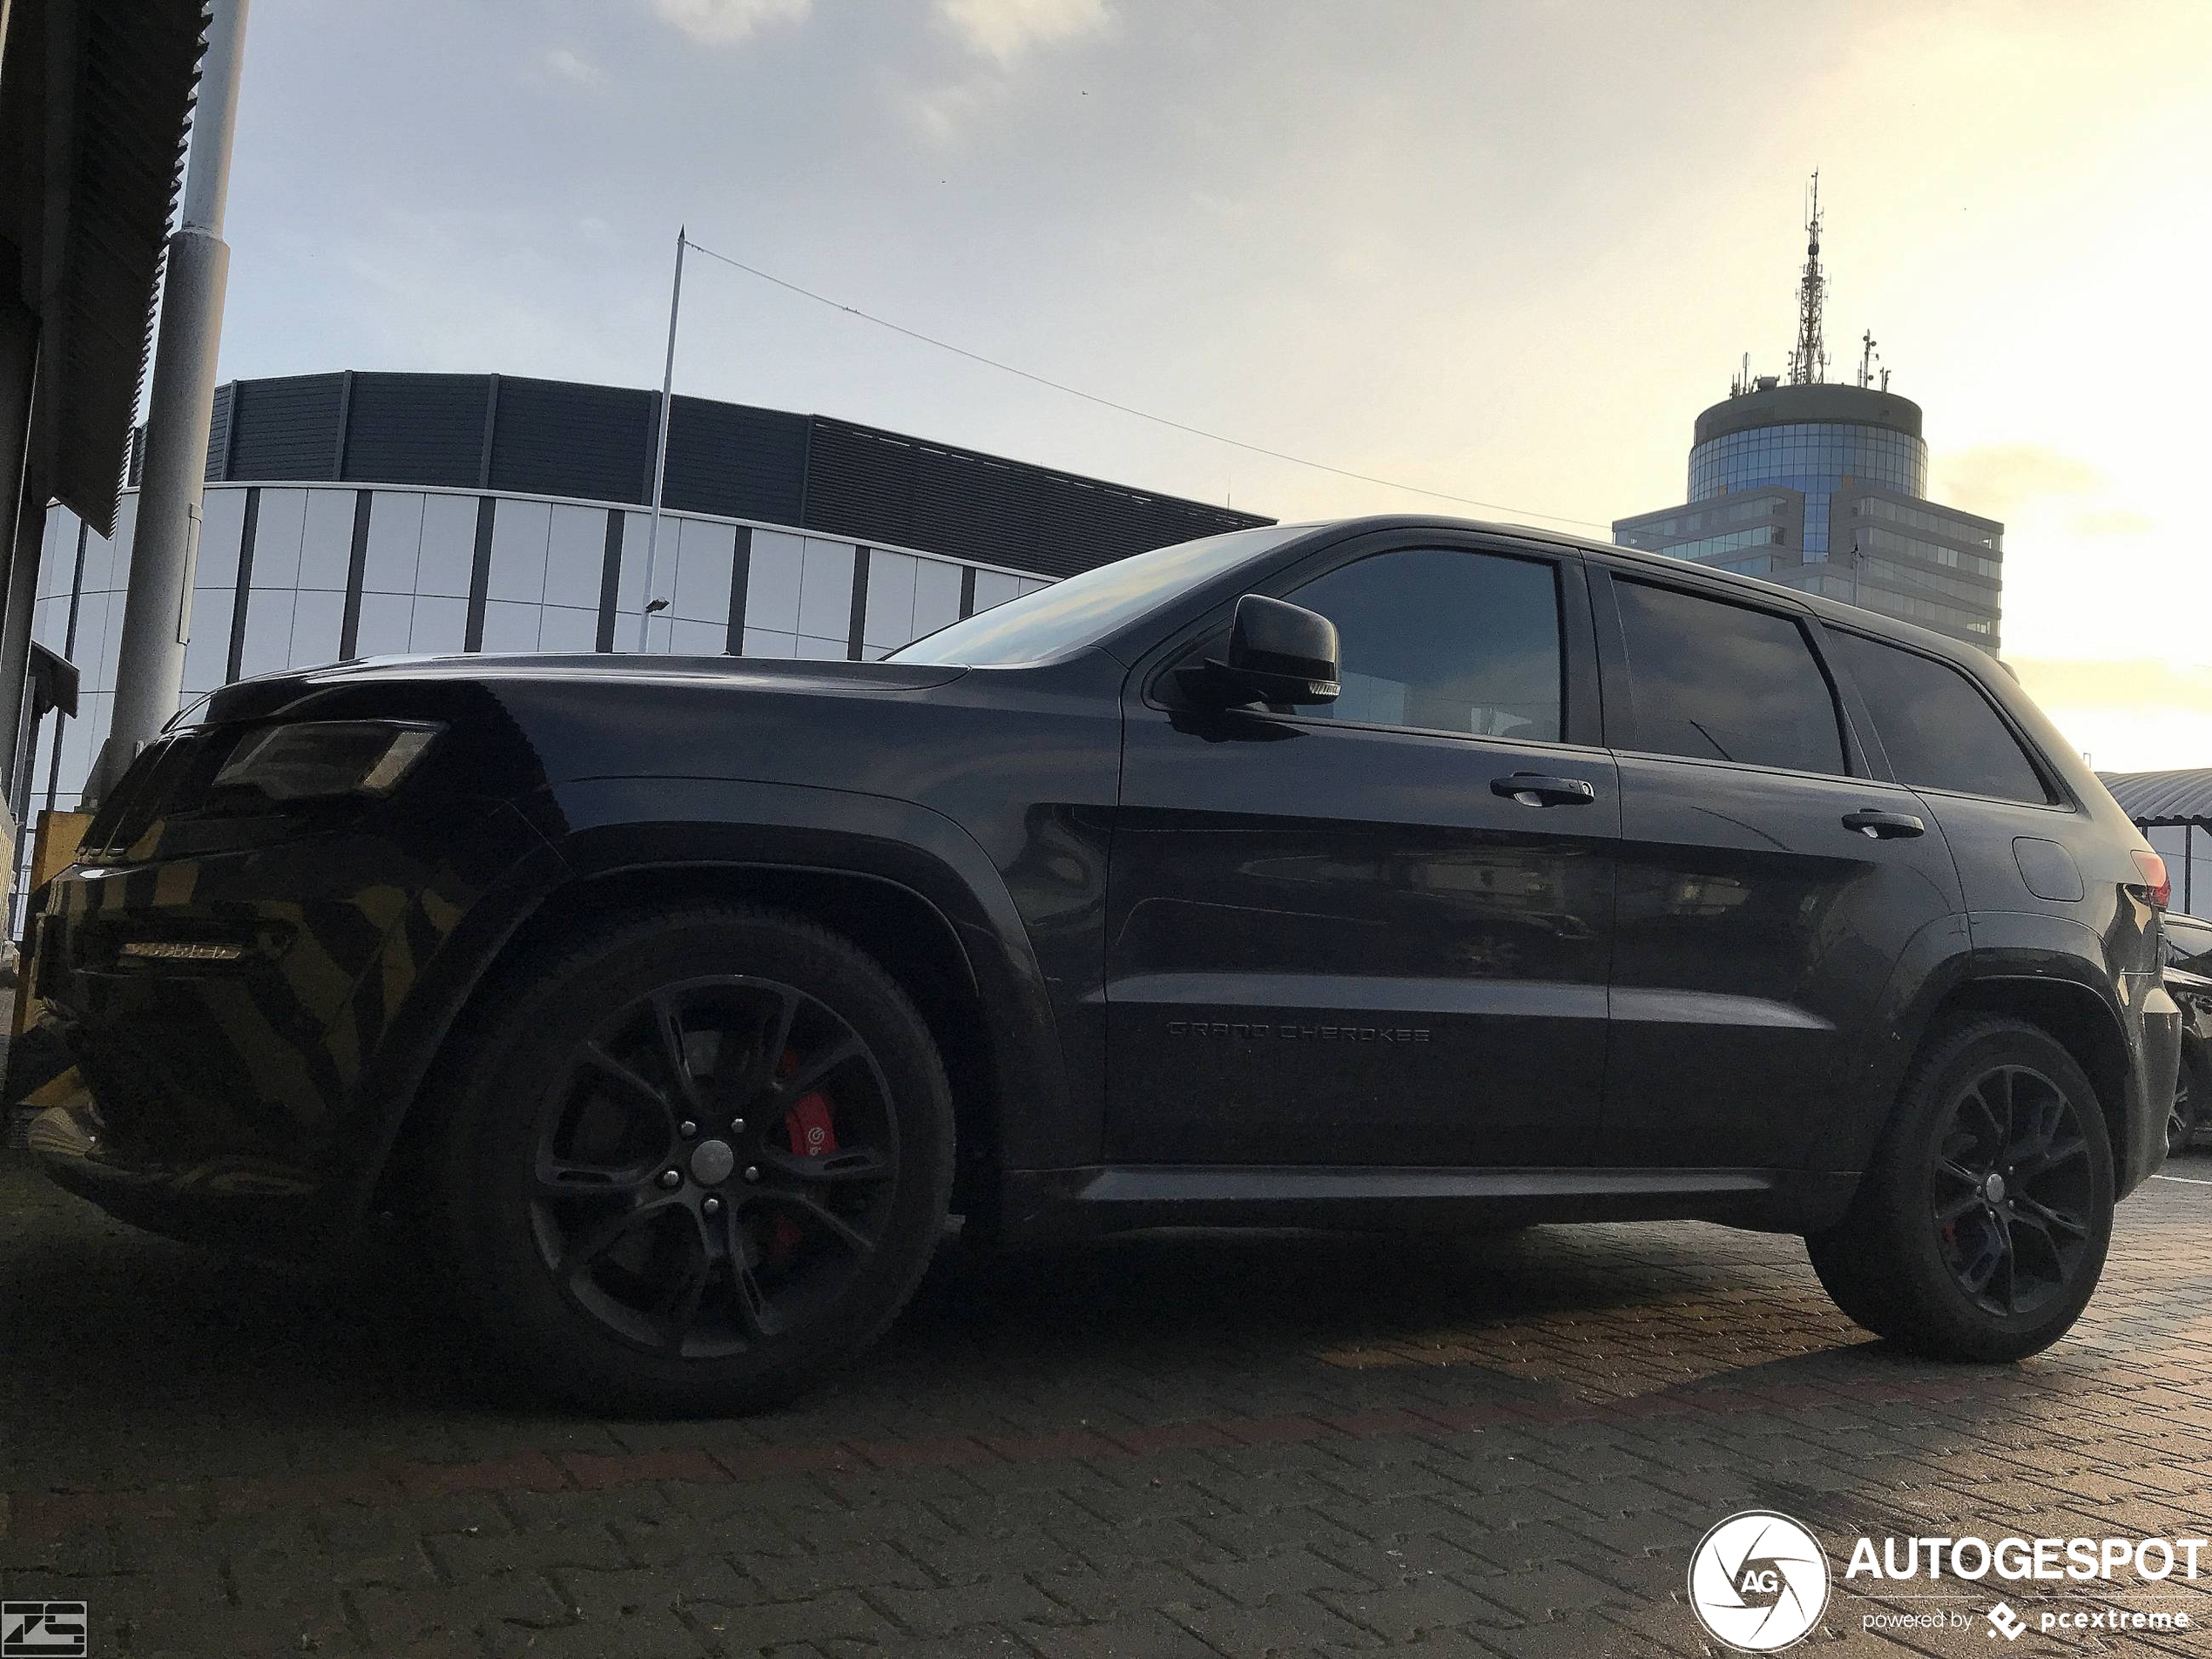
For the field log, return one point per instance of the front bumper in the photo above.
(249, 1098)
(232, 1202)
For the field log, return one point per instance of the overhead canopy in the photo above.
(2163, 799)
(93, 99)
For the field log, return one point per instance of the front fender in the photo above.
(612, 824)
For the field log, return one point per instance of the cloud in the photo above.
(1004, 29)
(563, 64)
(2113, 521)
(941, 110)
(1995, 479)
(2128, 714)
(2124, 683)
(730, 23)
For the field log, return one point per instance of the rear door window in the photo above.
(1937, 725)
(1725, 682)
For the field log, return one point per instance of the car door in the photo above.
(1768, 884)
(1373, 932)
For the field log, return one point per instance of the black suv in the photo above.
(1399, 873)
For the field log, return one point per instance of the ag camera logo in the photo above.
(1758, 1581)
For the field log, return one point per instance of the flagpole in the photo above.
(660, 447)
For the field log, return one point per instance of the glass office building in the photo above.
(1823, 488)
(349, 515)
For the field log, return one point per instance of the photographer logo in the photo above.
(42, 1630)
(1758, 1581)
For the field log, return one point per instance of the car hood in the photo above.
(304, 693)
(517, 725)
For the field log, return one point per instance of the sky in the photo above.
(1501, 251)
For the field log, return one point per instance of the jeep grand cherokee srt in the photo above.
(1399, 872)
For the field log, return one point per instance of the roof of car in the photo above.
(1828, 609)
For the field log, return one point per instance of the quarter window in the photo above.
(1446, 641)
(1725, 682)
(1938, 730)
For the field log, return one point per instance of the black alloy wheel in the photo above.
(1979, 1228)
(690, 1158)
(2012, 1190)
(713, 1165)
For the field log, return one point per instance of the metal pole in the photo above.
(22, 519)
(157, 608)
(660, 448)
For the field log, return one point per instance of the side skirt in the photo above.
(1058, 1203)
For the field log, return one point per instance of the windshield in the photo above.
(1052, 621)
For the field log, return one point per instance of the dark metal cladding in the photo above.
(595, 443)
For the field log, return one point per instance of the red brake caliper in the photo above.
(813, 1135)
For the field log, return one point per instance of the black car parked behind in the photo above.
(2188, 979)
(1399, 872)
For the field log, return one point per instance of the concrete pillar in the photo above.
(165, 544)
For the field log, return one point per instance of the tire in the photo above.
(1935, 1258)
(691, 1162)
(2192, 1093)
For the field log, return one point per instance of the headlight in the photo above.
(316, 759)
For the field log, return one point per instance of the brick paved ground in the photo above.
(1204, 1445)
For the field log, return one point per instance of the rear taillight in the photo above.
(2157, 885)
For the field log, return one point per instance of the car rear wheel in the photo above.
(1980, 1226)
(694, 1162)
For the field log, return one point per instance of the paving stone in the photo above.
(993, 1602)
(1407, 1612)
(512, 1608)
(1201, 1446)
(1282, 1622)
(833, 1614)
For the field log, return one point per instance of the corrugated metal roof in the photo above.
(2163, 797)
(99, 138)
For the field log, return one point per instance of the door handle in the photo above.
(1533, 789)
(1884, 827)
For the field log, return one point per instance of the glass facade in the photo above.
(1826, 482)
(1715, 549)
(299, 576)
(1668, 528)
(1816, 457)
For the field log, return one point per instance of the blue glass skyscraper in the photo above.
(1823, 487)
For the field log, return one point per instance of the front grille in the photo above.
(171, 775)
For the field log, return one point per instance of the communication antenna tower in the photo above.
(1866, 360)
(1809, 363)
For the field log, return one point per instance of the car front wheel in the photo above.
(1979, 1229)
(693, 1162)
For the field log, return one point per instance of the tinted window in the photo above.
(1723, 681)
(1939, 731)
(1449, 641)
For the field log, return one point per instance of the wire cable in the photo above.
(1129, 409)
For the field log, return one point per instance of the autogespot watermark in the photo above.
(1759, 1582)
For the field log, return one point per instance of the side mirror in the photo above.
(1277, 653)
